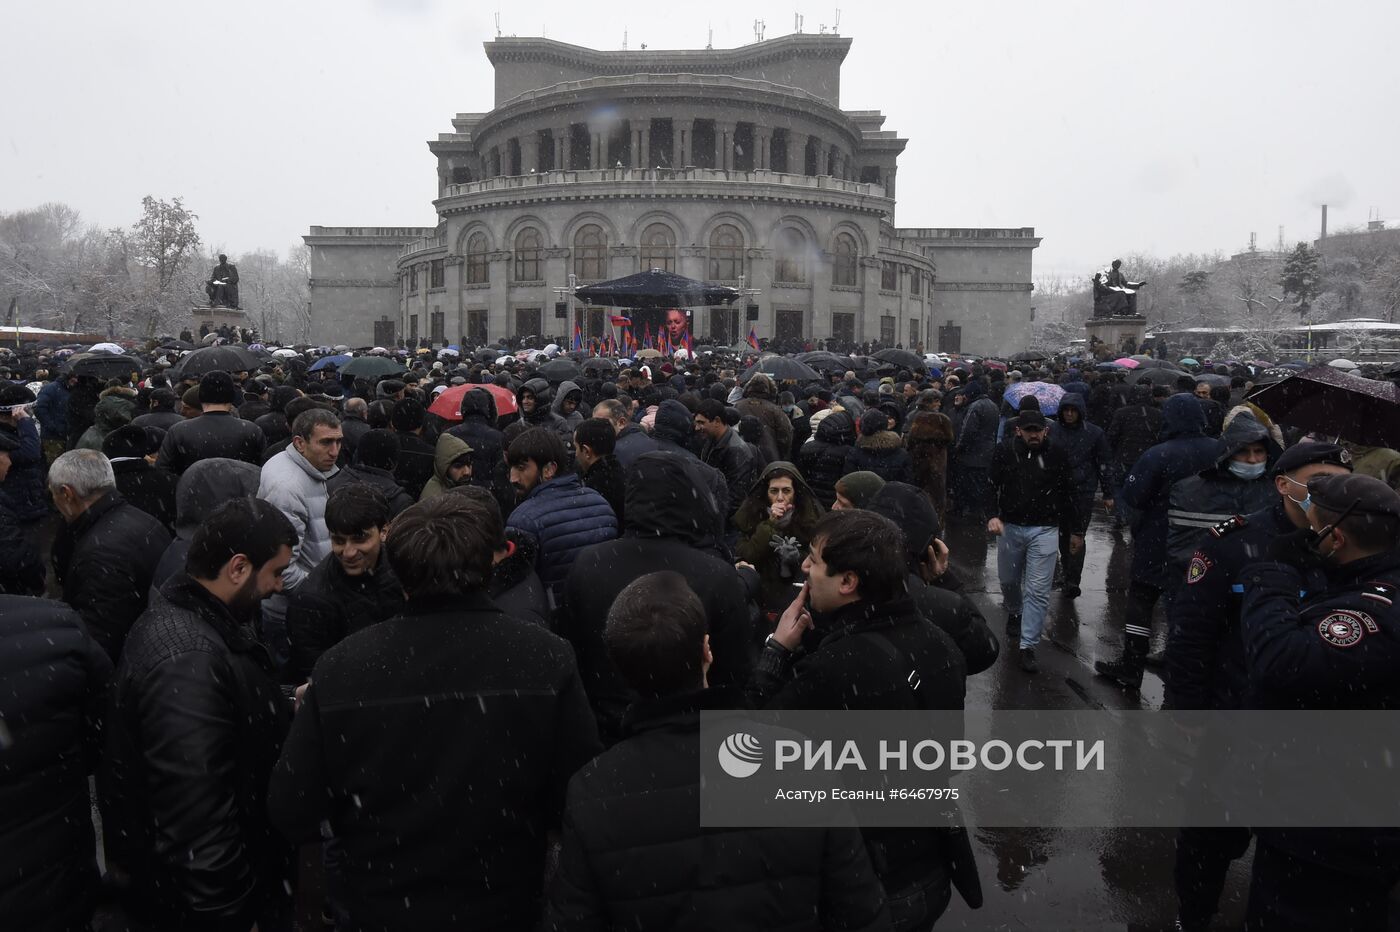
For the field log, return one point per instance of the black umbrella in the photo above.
(1028, 356)
(1154, 376)
(229, 358)
(826, 361)
(1156, 364)
(1330, 402)
(559, 370)
(486, 355)
(901, 357)
(170, 343)
(782, 369)
(656, 289)
(372, 367)
(1213, 380)
(102, 365)
(600, 364)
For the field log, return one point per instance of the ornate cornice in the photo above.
(352, 283)
(983, 286)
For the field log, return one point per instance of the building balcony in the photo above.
(625, 181)
(423, 245)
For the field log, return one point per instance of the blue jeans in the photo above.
(1025, 566)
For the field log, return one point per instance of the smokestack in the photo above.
(1324, 224)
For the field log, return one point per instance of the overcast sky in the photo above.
(1109, 127)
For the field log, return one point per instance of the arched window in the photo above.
(843, 271)
(590, 253)
(791, 253)
(478, 270)
(726, 253)
(528, 251)
(658, 248)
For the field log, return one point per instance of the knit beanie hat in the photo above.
(873, 421)
(860, 487)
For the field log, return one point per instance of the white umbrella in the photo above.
(446, 353)
(505, 359)
(551, 349)
(107, 348)
(379, 351)
(1343, 364)
(342, 348)
(285, 353)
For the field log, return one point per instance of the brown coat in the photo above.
(930, 435)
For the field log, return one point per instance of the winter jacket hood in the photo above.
(1182, 416)
(450, 448)
(1076, 401)
(838, 428)
(565, 390)
(544, 395)
(667, 497)
(755, 507)
(115, 408)
(479, 403)
(674, 423)
(1242, 430)
(880, 440)
(206, 486)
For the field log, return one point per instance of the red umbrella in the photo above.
(448, 404)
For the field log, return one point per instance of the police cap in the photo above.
(1309, 454)
(1362, 494)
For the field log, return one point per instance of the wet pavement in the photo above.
(1077, 879)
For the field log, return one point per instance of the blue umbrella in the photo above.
(330, 362)
(1048, 395)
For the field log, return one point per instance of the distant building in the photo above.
(732, 165)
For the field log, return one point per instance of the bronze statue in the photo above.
(222, 286)
(1114, 295)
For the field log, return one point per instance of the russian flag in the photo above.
(753, 338)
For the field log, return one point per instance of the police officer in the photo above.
(1334, 649)
(1205, 653)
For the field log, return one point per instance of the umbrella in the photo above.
(649, 353)
(1336, 404)
(1346, 364)
(1211, 379)
(1047, 394)
(1028, 356)
(901, 357)
(341, 348)
(1127, 362)
(176, 344)
(1156, 377)
(107, 348)
(285, 353)
(825, 361)
(782, 369)
(600, 364)
(1274, 374)
(102, 365)
(372, 367)
(1188, 361)
(330, 362)
(230, 358)
(448, 404)
(657, 289)
(1155, 364)
(482, 355)
(559, 370)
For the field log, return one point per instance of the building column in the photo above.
(597, 147)
(529, 153)
(561, 148)
(763, 140)
(724, 145)
(684, 135)
(889, 182)
(797, 152)
(643, 159)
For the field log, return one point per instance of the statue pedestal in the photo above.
(217, 317)
(1110, 331)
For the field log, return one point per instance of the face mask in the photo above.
(1247, 470)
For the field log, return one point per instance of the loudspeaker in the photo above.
(751, 312)
(561, 309)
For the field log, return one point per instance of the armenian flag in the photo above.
(753, 338)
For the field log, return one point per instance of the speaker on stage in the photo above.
(751, 312)
(561, 309)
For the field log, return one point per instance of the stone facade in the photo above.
(731, 165)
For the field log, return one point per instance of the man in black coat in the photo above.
(634, 855)
(354, 424)
(162, 411)
(194, 726)
(876, 652)
(53, 679)
(478, 431)
(415, 454)
(726, 451)
(145, 485)
(218, 431)
(352, 588)
(22, 570)
(632, 441)
(594, 441)
(436, 833)
(670, 520)
(106, 555)
(376, 458)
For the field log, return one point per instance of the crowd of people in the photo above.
(443, 669)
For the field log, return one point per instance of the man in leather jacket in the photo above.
(194, 726)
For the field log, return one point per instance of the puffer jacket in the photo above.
(883, 454)
(450, 448)
(106, 560)
(115, 408)
(26, 486)
(1134, 428)
(1198, 503)
(563, 516)
(1086, 445)
(53, 679)
(194, 685)
(51, 408)
(1184, 451)
(299, 491)
(826, 457)
(977, 432)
